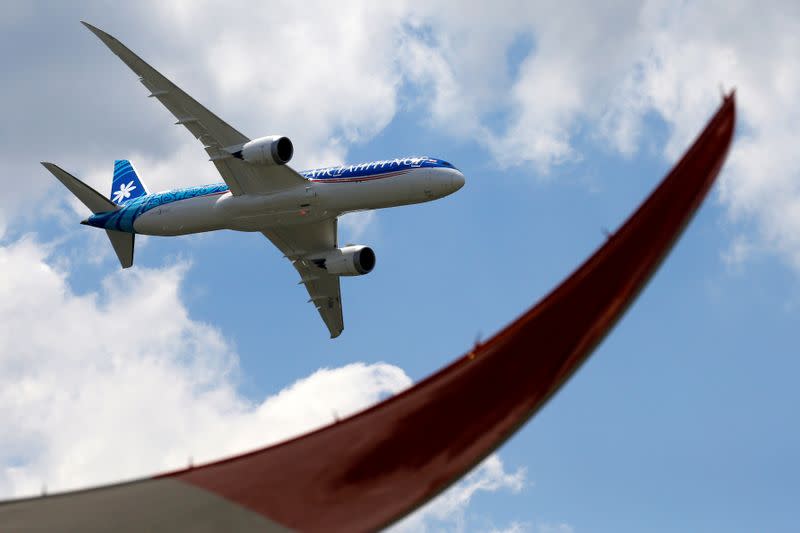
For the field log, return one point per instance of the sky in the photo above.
(561, 116)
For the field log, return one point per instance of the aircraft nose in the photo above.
(457, 181)
(446, 181)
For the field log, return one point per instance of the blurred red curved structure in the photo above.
(371, 469)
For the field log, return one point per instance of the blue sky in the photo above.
(684, 418)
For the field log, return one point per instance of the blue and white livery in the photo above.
(125, 185)
(297, 211)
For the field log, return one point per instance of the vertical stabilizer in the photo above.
(123, 246)
(126, 184)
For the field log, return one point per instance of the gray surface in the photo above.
(92, 199)
(149, 505)
(123, 246)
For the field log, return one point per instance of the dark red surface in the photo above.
(371, 469)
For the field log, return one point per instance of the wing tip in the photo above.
(52, 167)
(97, 31)
(335, 332)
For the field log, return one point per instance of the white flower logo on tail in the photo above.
(124, 192)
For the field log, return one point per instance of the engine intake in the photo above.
(353, 260)
(272, 150)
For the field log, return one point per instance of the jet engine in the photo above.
(272, 150)
(352, 260)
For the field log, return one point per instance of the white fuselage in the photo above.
(318, 199)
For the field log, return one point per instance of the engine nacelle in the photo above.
(352, 260)
(272, 150)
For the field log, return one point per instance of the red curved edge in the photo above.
(373, 468)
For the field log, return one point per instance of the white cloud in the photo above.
(121, 382)
(539, 94)
(324, 74)
(448, 510)
(687, 51)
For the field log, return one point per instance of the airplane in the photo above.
(296, 211)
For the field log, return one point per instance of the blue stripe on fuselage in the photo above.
(374, 168)
(123, 219)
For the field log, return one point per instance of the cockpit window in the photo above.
(445, 164)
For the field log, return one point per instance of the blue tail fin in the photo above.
(126, 184)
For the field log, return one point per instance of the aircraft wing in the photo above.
(219, 138)
(296, 242)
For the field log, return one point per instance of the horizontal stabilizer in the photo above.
(123, 246)
(92, 199)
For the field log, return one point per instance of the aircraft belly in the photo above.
(262, 221)
(258, 212)
(193, 215)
